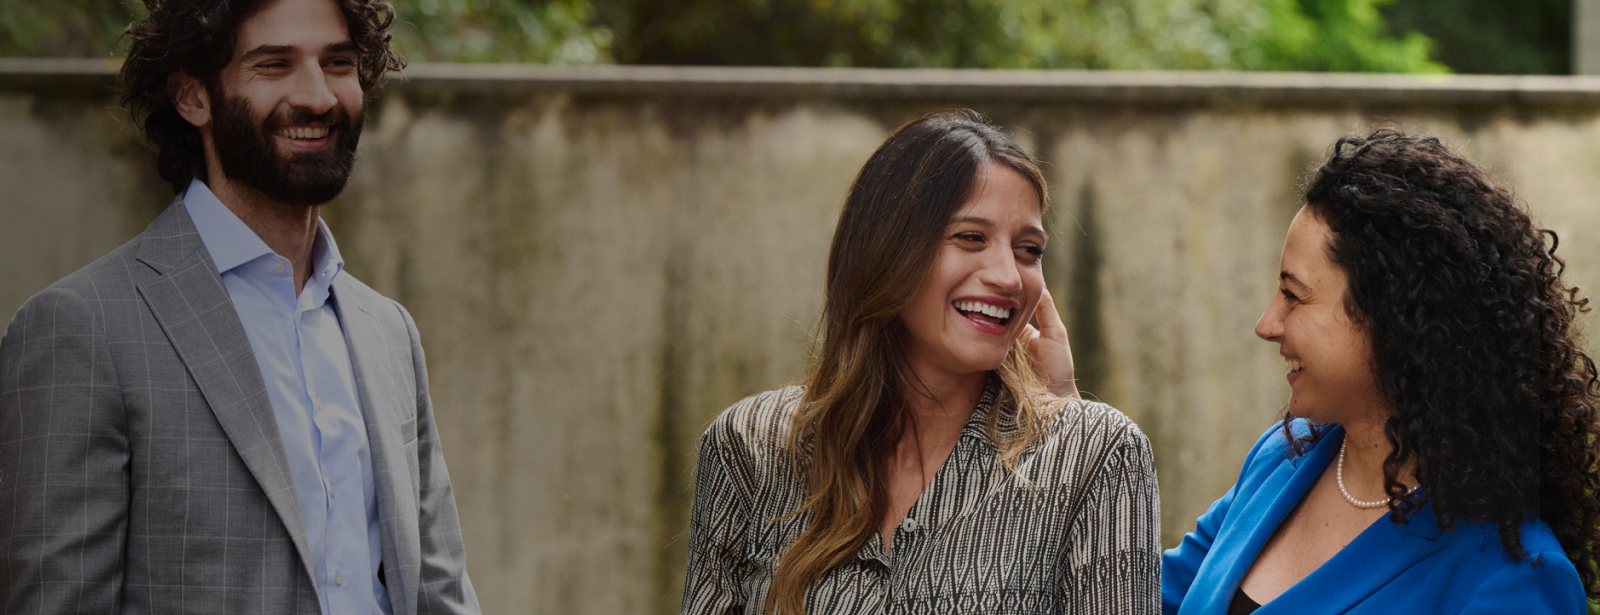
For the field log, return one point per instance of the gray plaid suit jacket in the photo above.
(141, 469)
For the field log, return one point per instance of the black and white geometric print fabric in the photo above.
(1076, 529)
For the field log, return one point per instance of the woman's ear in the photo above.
(191, 98)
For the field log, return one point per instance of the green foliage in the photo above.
(1334, 35)
(1492, 36)
(1345, 35)
(1327, 35)
(553, 32)
(69, 28)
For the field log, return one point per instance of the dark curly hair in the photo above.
(197, 37)
(1473, 340)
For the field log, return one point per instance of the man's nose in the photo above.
(311, 92)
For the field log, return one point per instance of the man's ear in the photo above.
(190, 97)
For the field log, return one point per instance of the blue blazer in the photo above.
(1389, 568)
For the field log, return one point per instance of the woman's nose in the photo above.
(1000, 271)
(1270, 326)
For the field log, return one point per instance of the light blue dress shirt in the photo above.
(305, 364)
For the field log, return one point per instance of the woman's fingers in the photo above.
(1048, 346)
(1050, 324)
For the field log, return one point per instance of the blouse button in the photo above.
(909, 524)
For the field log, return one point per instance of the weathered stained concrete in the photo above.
(600, 260)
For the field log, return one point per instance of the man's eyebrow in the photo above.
(265, 50)
(272, 50)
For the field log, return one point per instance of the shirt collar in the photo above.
(977, 426)
(232, 243)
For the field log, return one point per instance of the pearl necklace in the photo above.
(1339, 474)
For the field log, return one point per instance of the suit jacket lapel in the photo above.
(1237, 544)
(1378, 555)
(384, 410)
(194, 310)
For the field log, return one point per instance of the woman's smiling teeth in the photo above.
(303, 132)
(978, 310)
(1294, 366)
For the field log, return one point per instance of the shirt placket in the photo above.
(328, 440)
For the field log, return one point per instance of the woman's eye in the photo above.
(970, 237)
(1034, 253)
(1288, 295)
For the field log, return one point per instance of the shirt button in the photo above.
(277, 267)
(338, 578)
(909, 525)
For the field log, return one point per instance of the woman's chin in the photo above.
(1300, 410)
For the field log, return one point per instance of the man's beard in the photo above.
(248, 154)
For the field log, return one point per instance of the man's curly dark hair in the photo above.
(1473, 339)
(197, 37)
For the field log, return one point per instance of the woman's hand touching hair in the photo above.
(1048, 347)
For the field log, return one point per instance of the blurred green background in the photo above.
(1464, 36)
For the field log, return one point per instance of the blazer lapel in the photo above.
(1382, 552)
(1238, 544)
(384, 410)
(194, 311)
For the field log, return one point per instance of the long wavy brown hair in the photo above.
(852, 411)
(1475, 342)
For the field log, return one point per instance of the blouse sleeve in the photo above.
(714, 583)
(1118, 545)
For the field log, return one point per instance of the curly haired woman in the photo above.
(1440, 449)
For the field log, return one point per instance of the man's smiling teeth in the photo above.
(984, 308)
(306, 132)
(1294, 366)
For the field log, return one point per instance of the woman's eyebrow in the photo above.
(972, 219)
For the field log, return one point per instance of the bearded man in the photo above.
(215, 417)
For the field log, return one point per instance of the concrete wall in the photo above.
(602, 259)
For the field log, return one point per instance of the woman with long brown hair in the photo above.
(926, 466)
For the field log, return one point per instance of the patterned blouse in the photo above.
(1084, 537)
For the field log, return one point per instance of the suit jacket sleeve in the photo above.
(445, 588)
(1180, 564)
(63, 461)
(1550, 587)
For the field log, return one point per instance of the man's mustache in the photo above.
(301, 116)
